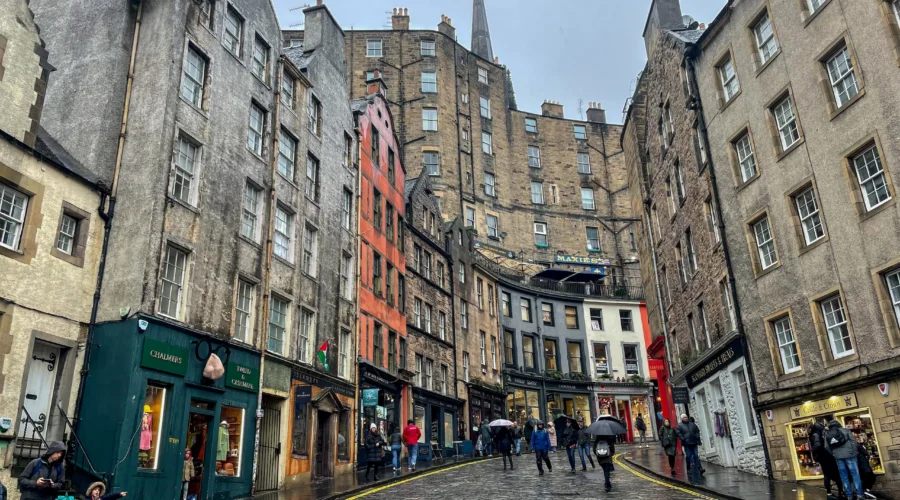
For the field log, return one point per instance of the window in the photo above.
(300, 430)
(550, 355)
(571, 318)
(347, 282)
(440, 273)
(525, 308)
(871, 178)
(172, 283)
(311, 251)
(786, 123)
(376, 274)
(537, 193)
(465, 135)
(701, 147)
(401, 292)
(575, 357)
(505, 304)
(348, 150)
(287, 149)
(429, 119)
(667, 296)
(765, 244)
(893, 284)
(343, 446)
(584, 163)
(740, 379)
(540, 234)
(547, 313)
(432, 163)
(655, 216)
(346, 208)
(429, 374)
(255, 130)
(287, 91)
(420, 370)
(836, 325)
(489, 184)
(679, 262)
(704, 326)
(463, 314)
(208, 9)
(427, 318)
(712, 221)
(491, 310)
(479, 290)
(601, 359)
(307, 335)
(625, 320)
(509, 351)
(373, 48)
(632, 365)
(417, 312)
(470, 217)
(243, 311)
(747, 161)
(483, 338)
(376, 210)
(487, 143)
(531, 125)
(580, 132)
(234, 32)
(284, 234)
(679, 183)
(673, 206)
(155, 398)
(464, 98)
(392, 352)
(896, 5)
(389, 222)
(485, 105)
(729, 79)
(426, 48)
(442, 325)
(65, 241)
(13, 206)
(815, 4)
(534, 157)
(277, 324)
(765, 38)
(462, 272)
(810, 220)
(314, 114)
(493, 225)
(390, 166)
(250, 212)
(376, 149)
(787, 345)
(554, 194)
(377, 350)
(596, 318)
(727, 310)
(187, 158)
(260, 63)
(429, 82)
(691, 256)
(194, 78)
(466, 366)
(445, 374)
(483, 75)
(528, 351)
(587, 198)
(389, 284)
(842, 77)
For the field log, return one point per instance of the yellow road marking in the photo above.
(420, 476)
(657, 481)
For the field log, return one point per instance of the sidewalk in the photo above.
(725, 482)
(349, 484)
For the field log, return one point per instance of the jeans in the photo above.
(184, 489)
(690, 455)
(643, 436)
(571, 452)
(413, 453)
(396, 449)
(850, 471)
(585, 449)
(518, 446)
(489, 449)
(542, 456)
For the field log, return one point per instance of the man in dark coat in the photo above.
(570, 441)
(44, 476)
(504, 446)
(374, 450)
(529, 431)
(689, 434)
(824, 458)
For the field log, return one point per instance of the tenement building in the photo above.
(52, 226)
(684, 259)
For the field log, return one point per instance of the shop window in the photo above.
(746, 411)
(151, 422)
(448, 430)
(632, 365)
(858, 421)
(299, 430)
(343, 434)
(230, 440)
(382, 414)
(419, 417)
(522, 404)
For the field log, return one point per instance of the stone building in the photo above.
(684, 259)
(53, 223)
(800, 103)
(431, 324)
(218, 237)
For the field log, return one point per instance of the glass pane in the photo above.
(229, 443)
(151, 421)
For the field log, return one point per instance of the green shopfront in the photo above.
(147, 403)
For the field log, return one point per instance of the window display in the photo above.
(448, 429)
(419, 417)
(857, 421)
(639, 406)
(382, 415)
(148, 444)
(299, 439)
(523, 404)
(228, 448)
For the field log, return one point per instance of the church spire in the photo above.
(481, 35)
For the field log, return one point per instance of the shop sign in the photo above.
(242, 377)
(375, 377)
(824, 406)
(523, 381)
(164, 357)
(583, 261)
(680, 396)
(370, 397)
(656, 364)
(302, 395)
(304, 376)
(551, 397)
(733, 351)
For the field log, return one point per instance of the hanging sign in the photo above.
(242, 377)
(729, 353)
(583, 261)
(370, 397)
(824, 406)
(164, 357)
(680, 396)
(302, 395)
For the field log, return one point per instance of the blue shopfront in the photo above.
(437, 416)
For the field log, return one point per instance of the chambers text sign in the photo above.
(733, 351)
(242, 377)
(583, 261)
(824, 406)
(164, 357)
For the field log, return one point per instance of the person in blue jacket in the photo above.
(540, 443)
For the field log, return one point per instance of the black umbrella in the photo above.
(561, 419)
(607, 425)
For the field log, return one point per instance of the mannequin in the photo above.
(222, 445)
(146, 442)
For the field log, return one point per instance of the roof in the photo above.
(298, 56)
(47, 148)
(409, 186)
(687, 36)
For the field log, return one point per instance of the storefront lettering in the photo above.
(583, 261)
(302, 376)
(522, 381)
(726, 356)
(164, 357)
(824, 406)
(242, 377)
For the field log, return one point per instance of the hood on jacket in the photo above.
(833, 424)
(54, 447)
(98, 484)
(817, 428)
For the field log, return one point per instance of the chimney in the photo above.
(664, 15)
(596, 113)
(400, 19)
(376, 85)
(446, 27)
(552, 108)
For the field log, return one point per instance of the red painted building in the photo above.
(659, 371)
(383, 377)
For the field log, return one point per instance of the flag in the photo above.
(322, 354)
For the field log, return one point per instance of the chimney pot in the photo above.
(596, 113)
(552, 108)
(318, 2)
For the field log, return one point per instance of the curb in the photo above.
(379, 484)
(680, 482)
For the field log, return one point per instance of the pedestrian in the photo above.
(642, 431)
(669, 442)
(824, 458)
(44, 476)
(866, 474)
(584, 446)
(605, 447)
(540, 443)
(187, 473)
(702, 470)
(570, 441)
(552, 432)
(374, 450)
(504, 446)
(842, 444)
(487, 440)
(96, 492)
(689, 434)
(529, 431)
(396, 438)
(517, 438)
(411, 435)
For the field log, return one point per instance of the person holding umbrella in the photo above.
(540, 443)
(606, 428)
(570, 438)
(504, 440)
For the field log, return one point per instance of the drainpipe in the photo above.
(356, 286)
(732, 287)
(267, 271)
(110, 203)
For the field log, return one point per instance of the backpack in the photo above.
(602, 449)
(639, 424)
(835, 437)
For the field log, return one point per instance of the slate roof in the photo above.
(687, 36)
(47, 147)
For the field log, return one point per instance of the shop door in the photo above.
(200, 439)
(721, 428)
(624, 408)
(323, 444)
(269, 446)
(40, 387)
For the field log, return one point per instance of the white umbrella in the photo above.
(500, 423)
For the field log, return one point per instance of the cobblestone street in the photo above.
(488, 480)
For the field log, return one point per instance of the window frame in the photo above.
(487, 143)
(596, 319)
(244, 308)
(179, 285)
(760, 244)
(781, 343)
(288, 89)
(288, 235)
(808, 218)
(584, 167)
(199, 86)
(547, 307)
(525, 310)
(626, 323)
(766, 47)
(429, 82)
(233, 41)
(490, 184)
(835, 81)
(729, 83)
(571, 313)
(427, 52)
(429, 119)
(284, 326)
(551, 353)
(372, 50)
(542, 234)
(532, 125)
(251, 214)
(784, 124)
(843, 324)
(584, 201)
(306, 335)
(864, 205)
(19, 225)
(593, 244)
(483, 76)
(310, 257)
(484, 107)
(534, 156)
(539, 193)
(580, 132)
(744, 155)
(261, 45)
(287, 165)
(255, 137)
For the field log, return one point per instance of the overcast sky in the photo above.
(564, 50)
